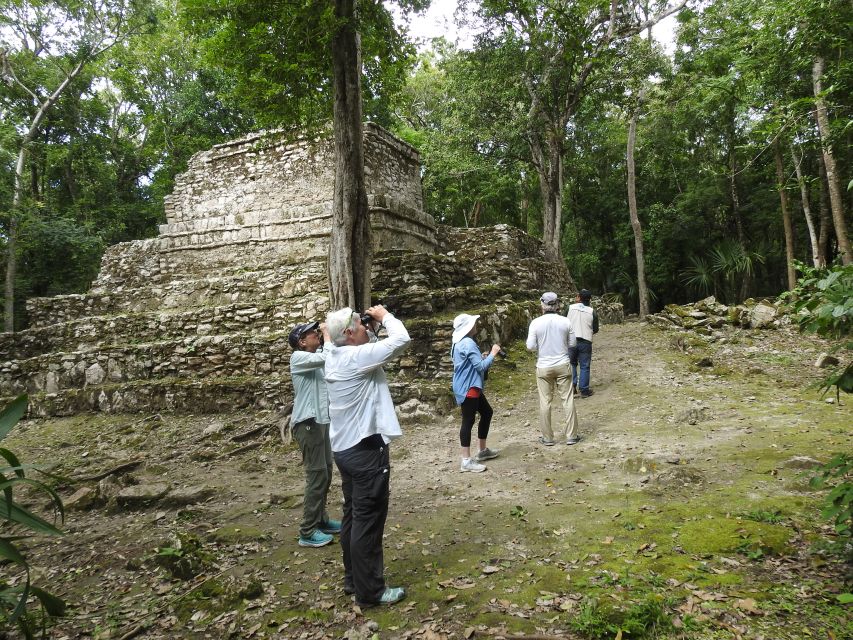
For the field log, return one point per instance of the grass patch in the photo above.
(716, 535)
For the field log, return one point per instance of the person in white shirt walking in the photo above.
(551, 336)
(584, 321)
(363, 423)
(309, 424)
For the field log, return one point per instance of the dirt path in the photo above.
(680, 513)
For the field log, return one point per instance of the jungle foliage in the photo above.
(738, 82)
(19, 524)
(823, 302)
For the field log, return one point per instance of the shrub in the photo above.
(838, 508)
(22, 524)
(823, 300)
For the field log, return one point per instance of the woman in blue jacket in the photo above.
(469, 374)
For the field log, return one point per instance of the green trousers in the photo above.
(313, 440)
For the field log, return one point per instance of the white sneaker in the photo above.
(469, 464)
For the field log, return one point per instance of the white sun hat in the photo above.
(462, 324)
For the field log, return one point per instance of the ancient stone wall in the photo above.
(197, 319)
(250, 194)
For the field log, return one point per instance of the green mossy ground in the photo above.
(678, 516)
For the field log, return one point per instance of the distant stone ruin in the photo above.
(196, 319)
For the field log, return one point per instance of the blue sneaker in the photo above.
(391, 595)
(330, 526)
(316, 539)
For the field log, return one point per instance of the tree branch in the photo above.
(8, 74)
(657, 18)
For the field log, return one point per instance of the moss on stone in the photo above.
(237, 533)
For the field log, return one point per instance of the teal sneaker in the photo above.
(391, 595)
(330, 526)
(316, 539)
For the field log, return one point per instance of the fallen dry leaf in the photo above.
(749, 605)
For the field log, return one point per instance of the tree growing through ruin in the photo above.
(299, 65)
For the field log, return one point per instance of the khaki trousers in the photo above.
(547, 379)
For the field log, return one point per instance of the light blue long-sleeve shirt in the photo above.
(310, 394)
(469, 367)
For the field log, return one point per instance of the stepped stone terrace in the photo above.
(196, 319)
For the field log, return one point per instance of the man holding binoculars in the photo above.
(363, 423)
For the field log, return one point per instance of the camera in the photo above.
(502, 353)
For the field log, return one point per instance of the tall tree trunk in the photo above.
(807, 210)
(549, 167)
(18, 195)
(741, 237)
(835, 199)
(825, 214)
(474, 218)
(12, 238)
(731, 132)
(12, 242)
(786, 217)
(350, 244)
(635, 218)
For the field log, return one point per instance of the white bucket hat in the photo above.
(462, 324)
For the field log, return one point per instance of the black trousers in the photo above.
(365, 479)
(470, 407)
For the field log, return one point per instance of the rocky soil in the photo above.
(684, 512)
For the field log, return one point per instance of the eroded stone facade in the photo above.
(197, 318)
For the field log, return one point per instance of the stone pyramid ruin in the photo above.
(196, 320)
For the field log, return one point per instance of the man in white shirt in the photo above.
(363, 423)
(551, 336)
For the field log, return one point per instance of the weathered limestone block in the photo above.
(141, 495)
(609, 312)
(762, 315)
(95, 374)
(128, 263)
(183, 496)
(710, 306)
(82, 499)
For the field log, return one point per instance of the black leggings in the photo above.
(469, 408)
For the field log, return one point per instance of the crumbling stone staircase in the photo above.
(197, 319)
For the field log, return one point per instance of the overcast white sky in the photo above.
(438, 20)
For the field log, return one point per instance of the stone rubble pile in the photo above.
(708, 314)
